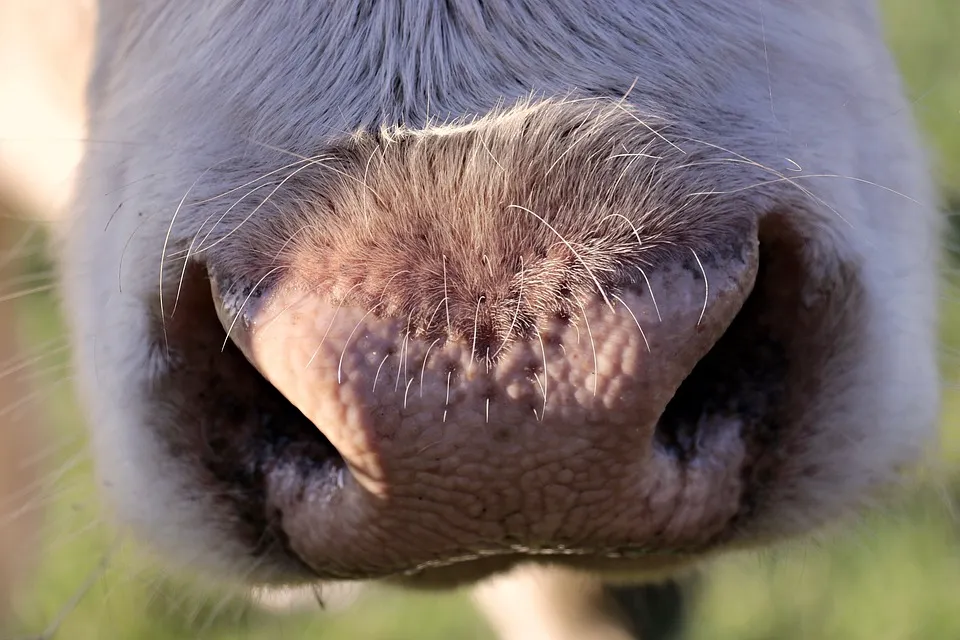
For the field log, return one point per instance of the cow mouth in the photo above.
(345, 448)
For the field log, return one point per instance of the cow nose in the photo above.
(524, 442)
(491, 326)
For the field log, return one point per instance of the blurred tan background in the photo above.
(895, 576)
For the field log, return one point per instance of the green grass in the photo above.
(923, 36)
(895, 576)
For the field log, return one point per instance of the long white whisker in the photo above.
(630, 311)
(569, 246)
(706, 287)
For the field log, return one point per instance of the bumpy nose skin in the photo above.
(548, 446)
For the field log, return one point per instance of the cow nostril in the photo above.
(766, 371)
(743, 376)
(245, 428)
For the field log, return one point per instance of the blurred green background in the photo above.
(895, 576)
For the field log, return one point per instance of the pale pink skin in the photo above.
(547, 450)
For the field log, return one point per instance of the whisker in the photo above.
(423, 369)
(249, 216)
(26, 293)
(706, 287)
(446, 296)
(343, 352)
(406, 392)
(543, 350)
(630, 113)
(446, 401)
(329, 326)
(243, 304)
(593, 346)
(377, 374)
(630, 311)
(573, 144)
(516, 314)
(652, 298)
(403, 351)
(570, 247)
(476, 317)
(163, 253)
(193, 242)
